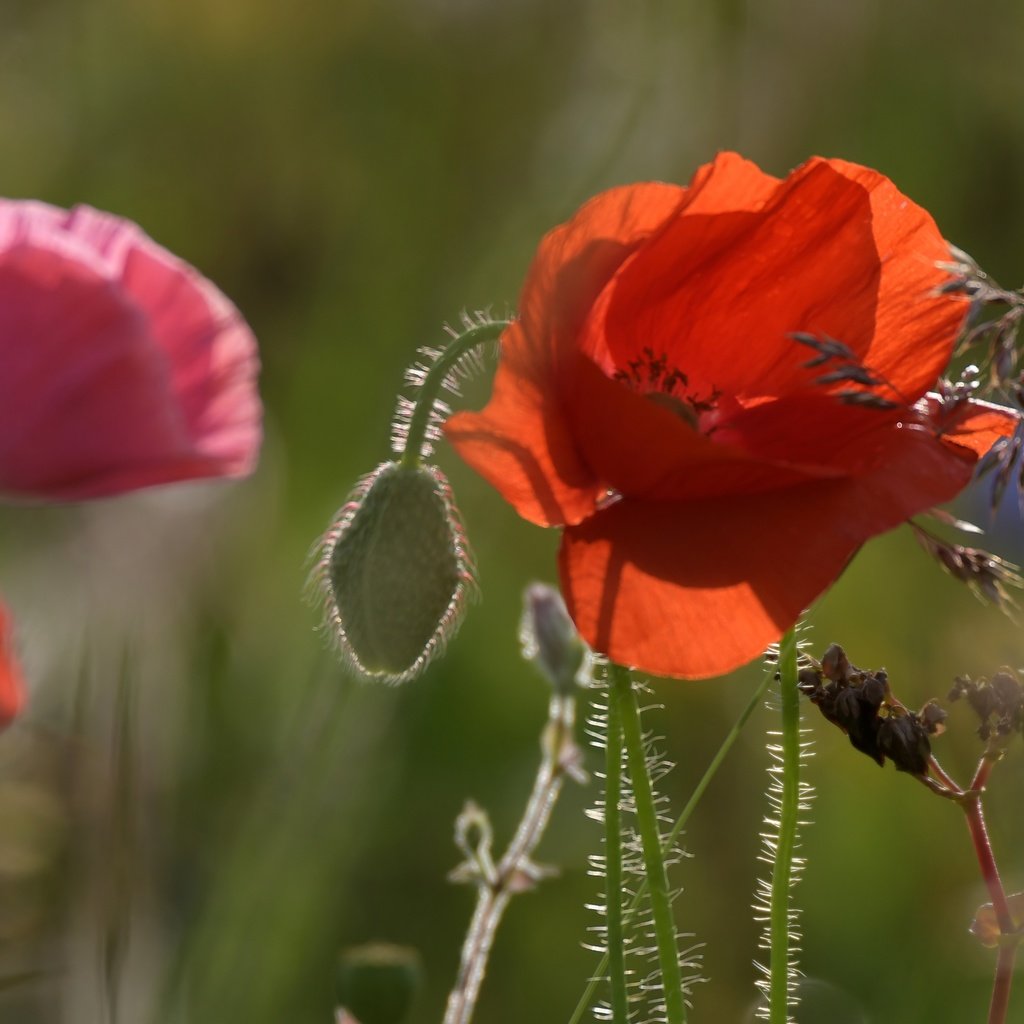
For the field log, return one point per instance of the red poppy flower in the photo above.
(122, 366)
(652, 401)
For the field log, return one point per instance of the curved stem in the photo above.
(433, 381)
(947, 780)
(987, 862)
(709, 773)
(615, 958)
(970, 802)
(621, 692)
(782, 872)
(975, 814)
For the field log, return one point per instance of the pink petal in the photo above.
(123, 366)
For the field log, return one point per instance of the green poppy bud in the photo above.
(394, 571)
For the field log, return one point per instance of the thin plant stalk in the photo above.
(621, 693)
(999, 1005)
(971, 804)
(975, 815)
(615, 958)
(709, 773)
(515, 872)
(118, 857)
(789, 801)
(1002, 982)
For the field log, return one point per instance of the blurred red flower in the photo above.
(12, 684)
(652, 401)
(123, 367)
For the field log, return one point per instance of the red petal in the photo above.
(835, 249)
(521, 441)
(641, 449)
(974, 425)
(815, 431)
(698, 588)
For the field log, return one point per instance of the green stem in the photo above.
(433, 381)
(118, 852)
(615, 958)
(782, 873)
(709, 773)
(621, 692)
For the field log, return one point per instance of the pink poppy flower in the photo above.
(122, 366)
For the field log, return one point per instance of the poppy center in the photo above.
(666, 385)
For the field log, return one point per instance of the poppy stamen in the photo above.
(656, 379)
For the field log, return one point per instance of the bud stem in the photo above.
(434, 379)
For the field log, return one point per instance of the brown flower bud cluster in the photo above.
(998, 702)
(862, 705)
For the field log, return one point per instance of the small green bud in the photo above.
(394, 571)
(549, 638)
(377, 983)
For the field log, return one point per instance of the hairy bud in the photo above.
(394, 571)
(549, 639)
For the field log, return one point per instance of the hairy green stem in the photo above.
(782, 872)
(709, 773)
(615, 958)
(621, 692)
(433, 381)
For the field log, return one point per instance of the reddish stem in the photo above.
(1000, 1005)
(940, 773)
(985, 766)
(971, 804)
(970, 801)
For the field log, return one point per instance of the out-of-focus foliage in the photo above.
(352, 174)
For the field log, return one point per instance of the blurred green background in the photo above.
(354, 174)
